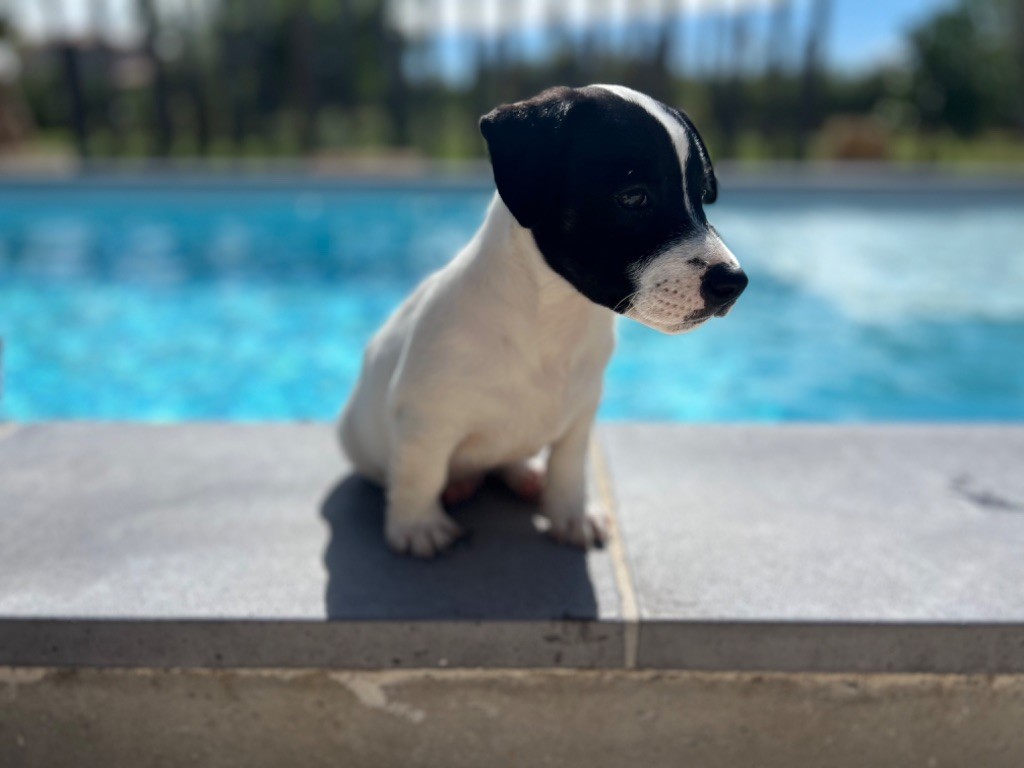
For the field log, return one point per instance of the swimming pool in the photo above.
(253, 300)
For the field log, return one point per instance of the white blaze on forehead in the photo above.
(676, 132)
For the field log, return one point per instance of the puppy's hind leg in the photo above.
(459, 491)
(415, 522)
(524, 478)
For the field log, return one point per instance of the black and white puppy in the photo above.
(500, 354)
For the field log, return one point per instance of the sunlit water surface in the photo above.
(176, 302)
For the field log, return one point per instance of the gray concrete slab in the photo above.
(824, 548)
(888, 549)
(239, 545)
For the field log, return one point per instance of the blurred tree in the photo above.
(809, 112)
(726, 87)
(235, 65)
(340, 60)
(15, 120)
(304, 71)
(949, 72)
(1000, 37)
(396, 88)
(70, 65)
(287, 76)
(101, 91)
(656, 73)
(775, 109)
(1016, 31)
(197, 58)
(968, 67)
(163, 133)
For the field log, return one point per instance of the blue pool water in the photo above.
(227, 301)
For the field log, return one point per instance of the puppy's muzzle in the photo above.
(720, 287)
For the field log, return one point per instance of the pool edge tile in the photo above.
(276, 494)
(381, 644)
(748, 635)
(969, 648)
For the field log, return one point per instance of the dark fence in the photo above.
(269, 77)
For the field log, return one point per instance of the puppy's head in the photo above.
(613, 185)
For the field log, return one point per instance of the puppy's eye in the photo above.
(632, 198)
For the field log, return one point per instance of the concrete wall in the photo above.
(454, 718)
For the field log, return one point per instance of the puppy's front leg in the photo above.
(414, 519)
(564, 501)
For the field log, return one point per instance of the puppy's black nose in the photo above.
(722, 284)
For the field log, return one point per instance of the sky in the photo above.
(868, 31)
(863, 32)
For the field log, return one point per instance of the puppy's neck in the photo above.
(507, 253)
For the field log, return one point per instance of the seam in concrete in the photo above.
(387, 678)
(620, 563)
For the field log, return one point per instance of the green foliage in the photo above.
(288, 77)
(950, 65)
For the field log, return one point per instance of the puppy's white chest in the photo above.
(526, 410)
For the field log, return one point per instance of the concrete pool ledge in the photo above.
(219, 594)
(826, 549)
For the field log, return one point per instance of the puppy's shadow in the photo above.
(504, 569)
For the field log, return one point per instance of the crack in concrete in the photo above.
(984, 498)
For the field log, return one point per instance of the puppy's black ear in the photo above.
(710, 193)
(710, 182)
(524, 141)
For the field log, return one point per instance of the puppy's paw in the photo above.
(586, 530)
(524, 479)
(424, 536)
